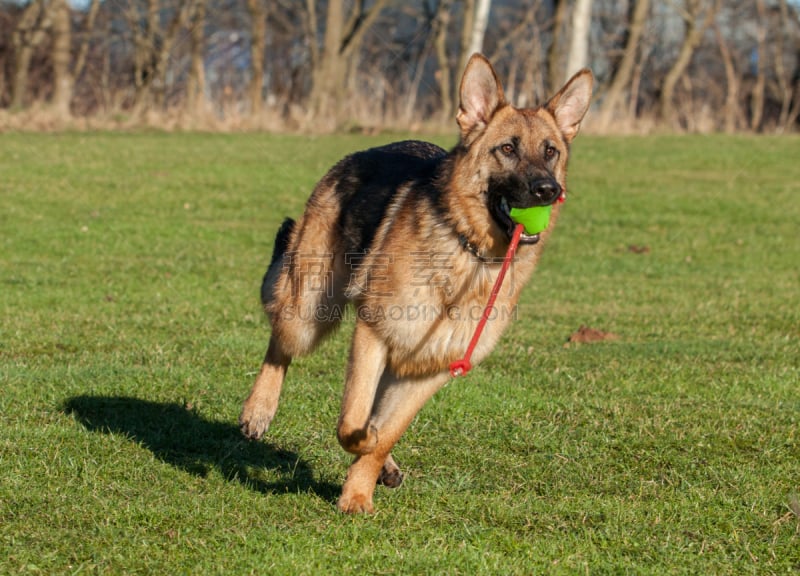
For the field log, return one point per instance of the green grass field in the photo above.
(130, 266)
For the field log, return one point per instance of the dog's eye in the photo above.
(507, 149)
(550, 152)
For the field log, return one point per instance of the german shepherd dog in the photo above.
(413, 237)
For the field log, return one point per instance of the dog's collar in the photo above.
(471, 248)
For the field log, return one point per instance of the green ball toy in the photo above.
(534, 219)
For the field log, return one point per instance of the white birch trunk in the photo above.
(579, 44)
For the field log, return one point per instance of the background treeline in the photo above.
(696, 65)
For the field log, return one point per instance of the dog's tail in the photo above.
(281, 246)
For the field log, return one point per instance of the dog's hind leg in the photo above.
(391, 476)
(303, 294)
(260, 407)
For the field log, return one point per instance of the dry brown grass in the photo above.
(359, 115)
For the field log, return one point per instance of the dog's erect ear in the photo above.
(571, 103)
(481, 95)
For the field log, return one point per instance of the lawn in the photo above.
(131, 331)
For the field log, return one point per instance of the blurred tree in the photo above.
(341, 40)
(783, 74)
(442, 23)
(61, 55)
(693, 34)
(622, 75)
(29, 34)
(555, 63)
(153, 47)
(757, 97)
(730, 112)
(83, 50)
(374, 61)
(196, 81)
(579, 40)
(479, 24)
(257, 10)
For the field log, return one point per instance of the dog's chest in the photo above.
(432, 304)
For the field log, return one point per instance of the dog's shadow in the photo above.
(182, 438)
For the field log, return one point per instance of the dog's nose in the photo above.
(545, 190)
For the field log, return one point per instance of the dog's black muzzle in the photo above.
(515, 192)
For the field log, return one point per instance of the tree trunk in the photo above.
(105, 75)
(555, 71)
(794, 111)
(785, 87)
(479, 26)
(636, 80)
(83, 51)
(28, 35)
(410, 106)
(327, 75)
(162, 57)
(526, 54)
(144, 44)
(61, 55)
(153, 58)
(360, 21)
(622, 76)
(258, 41)
(579, 43)
(473, 29)
(467, 24)
(151, 40)
(730, 113)
(196, 83)
(757, 101)
(342, 41)
(311, 26)
(443, 74)
(693, 35)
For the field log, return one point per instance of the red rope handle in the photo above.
(461, 367)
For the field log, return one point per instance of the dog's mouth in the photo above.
(501, 211)
(510, 192)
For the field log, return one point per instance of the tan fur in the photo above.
(418, 292)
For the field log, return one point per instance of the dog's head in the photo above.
(515, 157)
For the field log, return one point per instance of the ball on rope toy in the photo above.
(535, 219)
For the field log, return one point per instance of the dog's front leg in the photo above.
(355, 432)
(399, 400)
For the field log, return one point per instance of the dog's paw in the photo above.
(355, 504)
(390, 475)
(254, 423)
